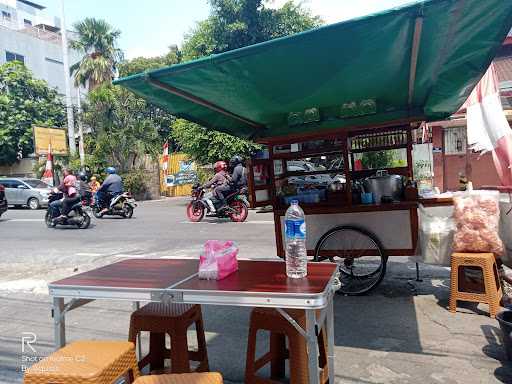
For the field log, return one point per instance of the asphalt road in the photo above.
(32, 254)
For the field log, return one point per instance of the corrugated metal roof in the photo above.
(504, 68)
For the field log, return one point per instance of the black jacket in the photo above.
(239, 178)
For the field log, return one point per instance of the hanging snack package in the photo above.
(477, 216)
(219, 260)
(435, 237)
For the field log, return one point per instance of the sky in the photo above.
(149, 27)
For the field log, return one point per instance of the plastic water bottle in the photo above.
(295, 235)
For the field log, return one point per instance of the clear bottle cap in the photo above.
(294, 202)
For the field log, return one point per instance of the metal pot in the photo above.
(384, 184)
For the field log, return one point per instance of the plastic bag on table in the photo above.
(218, 260)
(477, 217)
(435, 238)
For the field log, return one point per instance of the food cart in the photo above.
(325, 103)
(328, 178)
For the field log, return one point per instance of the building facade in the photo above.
(30, 36)
(451, 155)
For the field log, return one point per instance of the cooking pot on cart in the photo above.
(384, 185)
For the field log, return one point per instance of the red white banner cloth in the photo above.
(488, 128)
(48, 171)
(165, 156)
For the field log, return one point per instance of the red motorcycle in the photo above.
(237, 207)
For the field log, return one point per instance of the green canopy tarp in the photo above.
(416, 62)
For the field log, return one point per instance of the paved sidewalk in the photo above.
(391, 336)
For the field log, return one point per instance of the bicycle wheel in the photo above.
(360, 257)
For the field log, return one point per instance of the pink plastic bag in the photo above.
(219, 260)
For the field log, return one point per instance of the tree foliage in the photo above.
(97, 40)
(24, 101)
(142, 64)
(206, 146)
(237, 23)
(123, 127)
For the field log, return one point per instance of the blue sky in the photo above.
(149, 27)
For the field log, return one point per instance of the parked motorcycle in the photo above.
(120, 205)
(76, 216)
(237, 206)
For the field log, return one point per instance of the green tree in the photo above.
(207, 146)
(234, 24)
(24, 101)
(123, 127)
(97, 40)
(141, 64)
(237, 23)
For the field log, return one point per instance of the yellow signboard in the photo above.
(44, 136)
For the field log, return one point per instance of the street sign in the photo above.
(54, 137)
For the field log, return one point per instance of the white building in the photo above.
(30, 36)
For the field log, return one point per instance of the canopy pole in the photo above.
(418, 27)
(204, 103)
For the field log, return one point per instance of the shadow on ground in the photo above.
(401, 333)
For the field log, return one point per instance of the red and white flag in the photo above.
(488, 128)
(48, 171)
(165, 156)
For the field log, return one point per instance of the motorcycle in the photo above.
(120, 205)
(76, 216)
(237, 207)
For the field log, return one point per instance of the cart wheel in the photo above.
(359, 255)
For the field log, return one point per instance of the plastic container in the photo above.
(505, 320)
(295, 240)
(367, 198)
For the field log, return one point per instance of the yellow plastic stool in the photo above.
(86, 362)
(492, 288)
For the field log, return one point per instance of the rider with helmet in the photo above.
(111, 187)
(71, 197)
(220, 182)
(83, 188)
(238, 175)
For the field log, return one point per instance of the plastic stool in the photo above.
(86, 362)
(172, 319)
(280, 329)
(182, 378)
(492, 288)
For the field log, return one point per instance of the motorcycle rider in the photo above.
(238, 175)
(111, 187)
(219, 183)
(94, 184)
(71, 196)
(83, 188)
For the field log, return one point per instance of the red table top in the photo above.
(252, 276)
(265, 276)
(134, 273)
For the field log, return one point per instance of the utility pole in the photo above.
(80, 130)
(65, 60)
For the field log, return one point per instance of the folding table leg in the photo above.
(59, 322)
(329, 323)
(138, 350)
(314, 372)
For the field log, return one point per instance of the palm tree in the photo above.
(98, 42)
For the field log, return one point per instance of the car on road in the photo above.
(3, 200)
(29, 192)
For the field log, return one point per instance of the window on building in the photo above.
(10, 56)
(455, 141)
(6, 15)
(27, 22)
